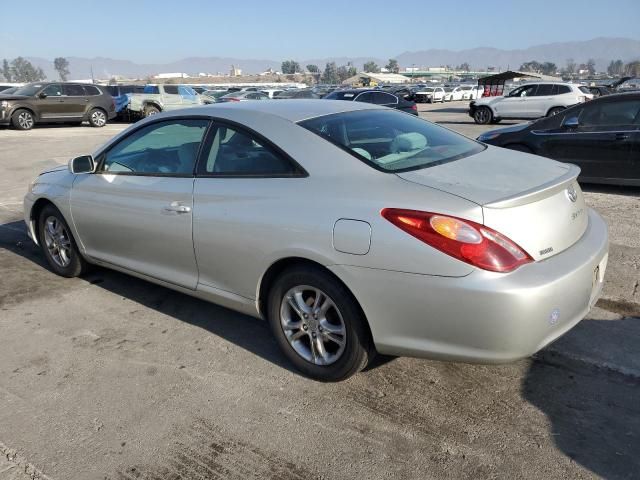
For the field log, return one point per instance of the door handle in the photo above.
(622, 136)
(175, 207)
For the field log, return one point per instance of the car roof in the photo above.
(294, 110)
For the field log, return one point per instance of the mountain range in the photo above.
(602, 50)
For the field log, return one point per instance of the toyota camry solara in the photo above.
(351, 228)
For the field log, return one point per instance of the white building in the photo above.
(171, 75)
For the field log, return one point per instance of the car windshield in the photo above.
(9, 91)
(392, 141)
(29, 90)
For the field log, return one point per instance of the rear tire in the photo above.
(23, 119)
(483, 116)
(59, 246)
(97, 118)
(150, 110)
(555, 111)
(299, 327)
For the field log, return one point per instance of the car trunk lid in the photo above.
(534, 201)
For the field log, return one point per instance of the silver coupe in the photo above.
(352, 228)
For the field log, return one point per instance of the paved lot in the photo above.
(110, 377)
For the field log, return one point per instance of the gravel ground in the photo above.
(110, 377)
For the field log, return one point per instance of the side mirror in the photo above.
(42, 95)
(83, 164)
(571, 122)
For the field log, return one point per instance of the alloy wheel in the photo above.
(99, 118)
(57, 241)
(313, 325)
(25, 120)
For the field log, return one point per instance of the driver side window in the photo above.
(162, 148)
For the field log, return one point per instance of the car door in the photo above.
(539, 104)
(51, 102)
(188, 95)
(240, 177)
(602, 143)
(515, 104)
(76, 101)
(171, 98)
(135, 211)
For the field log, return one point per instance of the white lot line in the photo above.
(14, 467)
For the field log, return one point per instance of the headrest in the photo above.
(407, 142)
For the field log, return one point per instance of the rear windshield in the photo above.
(392, 141)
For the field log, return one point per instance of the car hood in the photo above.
(489, 176)
(499, 131)
(54, 169)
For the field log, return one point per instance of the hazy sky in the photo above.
(163, 30)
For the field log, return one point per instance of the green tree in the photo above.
(313, 69)
(532, 66)
(464, 67)
(571, 66)
(330, 74)
(61, 65)
(6, 70)
(548, 68)
(591, 66)
(632, 69)
(371, 67)
(23, 71)
(616, 67)
(392, 66)
(290, 67)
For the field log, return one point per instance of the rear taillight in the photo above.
(232, 99)
(468, 241)
(414, 107)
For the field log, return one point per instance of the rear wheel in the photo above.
(23, 119)
(58, 244)
(318, 324)
(483, 115)
(554, 111)
(151, 110)
(97, 118)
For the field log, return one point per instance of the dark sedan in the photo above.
(377, 97)
(602, 137)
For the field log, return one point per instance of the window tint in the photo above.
(113, 90)
(545, 90)
(525, 91)
(365, 97)
(381, 98)
(187, 92)
(152, 89)
(607, 114)
(563, 89)
(74, 90)
(54, 90)
(91, 90)
(171, 89)
(236, 152)
(164, 148)
(392, 141)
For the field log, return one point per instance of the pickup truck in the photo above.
(158, 98)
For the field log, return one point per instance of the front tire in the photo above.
(318, 324)
(554, 111)
(151, 110)
(59, 246)
(97, 118)
(483, 116)
(23, 119)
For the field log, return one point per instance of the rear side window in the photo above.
(163, 148)
(91, 90)
(564, 89)
(235, 152)
(151, 89)
(392, 141)
(74, 90)
(365, 97)
(381, 98)
(545, 90)
(171, 89)
(609, 114)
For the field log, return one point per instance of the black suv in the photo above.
(44, 102)
(374, 96)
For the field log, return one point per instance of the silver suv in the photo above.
(532, 100)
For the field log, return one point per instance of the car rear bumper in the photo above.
(485, 316)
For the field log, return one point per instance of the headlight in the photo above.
(4, 104)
